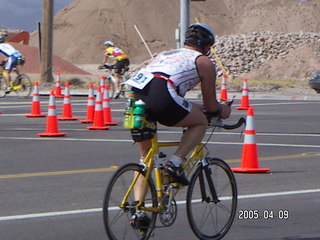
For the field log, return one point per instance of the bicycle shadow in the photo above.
(293, 238)
(301, 238)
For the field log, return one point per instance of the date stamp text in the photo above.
(255, 214)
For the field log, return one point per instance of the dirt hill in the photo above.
(81, 28)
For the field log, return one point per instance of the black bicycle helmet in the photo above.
(200, 35)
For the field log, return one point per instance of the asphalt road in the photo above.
(52, 188)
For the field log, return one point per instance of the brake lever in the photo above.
(216, 122)
(229, 103)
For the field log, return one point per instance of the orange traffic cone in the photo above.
(90, 106)
(58, 87)
(52, 121)
(106, 108)
(245, 96)
(224, 91)
(35, 107)
(249, 163)
(102, 82)
(98, 121)
(67, 108)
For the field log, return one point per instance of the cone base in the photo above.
(86, 121)
(250, 170)
(59, 96)
(67, 118)
(112, 123)
(98, 128)
(35, 115)
(242, 108)
(52, 134)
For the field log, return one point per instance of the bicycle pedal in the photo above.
(177, 185)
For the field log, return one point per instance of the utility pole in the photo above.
(184, 19)
(46, 41)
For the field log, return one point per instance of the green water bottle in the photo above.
(128, 114)
(139, 114)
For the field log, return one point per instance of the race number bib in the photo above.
(140, 79)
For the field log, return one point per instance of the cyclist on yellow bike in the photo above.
(13, 59)
(121, 63)
(163, 84)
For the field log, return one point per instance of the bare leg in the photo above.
(139, 192)
(117, 77)
(6, 76)
(197, 123)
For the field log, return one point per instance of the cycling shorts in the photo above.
(122, 66)
(11, 63)
(163, 104)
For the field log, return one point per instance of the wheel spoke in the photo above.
(207, 219)
(116, 218)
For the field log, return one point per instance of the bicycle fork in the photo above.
(207, 174)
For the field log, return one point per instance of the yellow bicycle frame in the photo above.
(188, 166)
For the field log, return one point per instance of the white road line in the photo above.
(130, 141)
(281, 103)
(94, 210)
(180, 132)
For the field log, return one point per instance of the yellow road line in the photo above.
(113, 168)
(25, 175)
(302, 155)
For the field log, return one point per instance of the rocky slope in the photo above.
(81, 28)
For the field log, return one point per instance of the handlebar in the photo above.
(217, 122)
(106, 66)
(2, 63)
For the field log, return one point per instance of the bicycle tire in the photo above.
(110, 83)
(124, 89)
(3, 88)
(24, 81)
(209, 220)
(117, 219)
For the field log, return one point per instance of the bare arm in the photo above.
(207, 73)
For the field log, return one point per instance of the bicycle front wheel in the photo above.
(3, 88)
(22, 86)
(118, 209)
(211, 210)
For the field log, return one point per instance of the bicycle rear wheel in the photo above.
(207, 218)
(22, 86)
(110, 83)
(117, 217)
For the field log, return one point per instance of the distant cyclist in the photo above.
(121, 63)
(13, 59)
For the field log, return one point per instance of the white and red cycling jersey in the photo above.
(179, 65)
